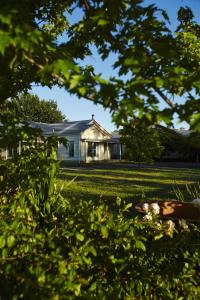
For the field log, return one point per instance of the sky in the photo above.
(81, 109)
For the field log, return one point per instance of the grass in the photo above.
(130, 184)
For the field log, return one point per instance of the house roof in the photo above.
(116, 136)
(68, 127)
(184, 132)
(62, 128)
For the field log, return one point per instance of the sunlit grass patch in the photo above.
(130, 184)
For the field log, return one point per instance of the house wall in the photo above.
(100, 152)
(105, 153)
(3, 153)
(9, 152)
(94, 134)
(63, 153)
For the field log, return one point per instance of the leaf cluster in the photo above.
(28, 107)
(142, 143)
(56, 248)
(42, 44)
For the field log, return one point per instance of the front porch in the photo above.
(95, 150)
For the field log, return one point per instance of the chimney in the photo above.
(92, 117)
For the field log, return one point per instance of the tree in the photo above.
(55, 249)
(193, 141)
(152, 65)
(142, 143)
(181, 145)
(27, 107)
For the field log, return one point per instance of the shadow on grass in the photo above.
(153, 173)
(135, 185)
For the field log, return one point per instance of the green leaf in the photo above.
(6, 19)
(195, 122)
(197, 84)
(102, 22)
(4, 252)
(158, 236)
(140, 245)
(159, 82)
(129, 205)
(93, 287)
(2, 242)
(74, 81)
(42, 278)
(104, 232)
(119, 201)
(62, 267)
(48, 207)
(80, 237)
(82, 90)
(93, 250)
(87, 260)
(10, 241)
(5, 41)
(130, 61)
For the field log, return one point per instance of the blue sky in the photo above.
(81, 109)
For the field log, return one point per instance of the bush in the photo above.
(57, 248)
(54, 249)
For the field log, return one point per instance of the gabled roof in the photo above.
(99, 127)
(62, 128)
(72, 127)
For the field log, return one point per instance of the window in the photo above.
(71, 149)
(10, 151)
(105, 148)
(92, 149)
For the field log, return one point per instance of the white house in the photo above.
(88, 140)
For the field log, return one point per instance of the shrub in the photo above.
(57, 248)
(51, 248)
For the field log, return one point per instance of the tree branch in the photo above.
(87, 7)
(165, 98)
(60, 79)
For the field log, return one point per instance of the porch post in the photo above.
(107, 151)
(120, 151)
(85, 151)
(79, 154)
(19, 148)
(6, 153)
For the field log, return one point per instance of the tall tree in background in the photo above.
(180, 144)
(28, 107)
(142, 143)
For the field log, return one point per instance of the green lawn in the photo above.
(128, 183)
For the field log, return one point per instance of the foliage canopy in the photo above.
(28, 107)
(142, 143)
(43, 43)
